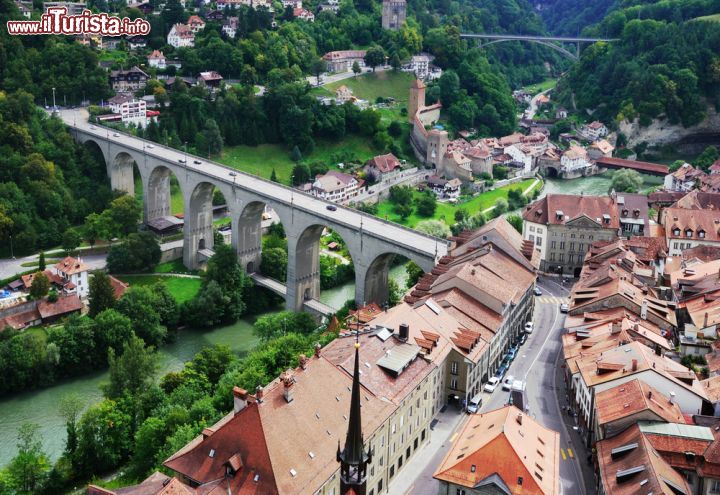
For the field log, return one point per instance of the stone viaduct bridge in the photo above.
(372, 242)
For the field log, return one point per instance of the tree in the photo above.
(709, 156)
(101, 295)
(274, 325)
(356, 68)
(274, 263)
(132, 371)
(295, 154)
(436, 228)
(395, 61)
(319, 65)
(213, 137)
(400, 195)
(501, 206)
(94, 228)
(414, 272)
(30, 466)
(374, 56)
(273, 176)
(40, 286)
(112, 331)
(403, 209)
(626, 180)
(516, 221)
(71, 240)
(300, 174)
(395, 293)
(70, 407)
(125, 213)
(41, 262)
(104, 438)
(140, 305)
(425, 204)
(395, 129)
(140, 252)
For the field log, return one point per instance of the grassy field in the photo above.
(541, 86)
(261, 160)
(175, 266)
(446, 211)
(370, 86)
(181, 288)
(711, 18)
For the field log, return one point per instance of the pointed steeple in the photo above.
(353, 458)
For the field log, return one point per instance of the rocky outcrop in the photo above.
(686, 139)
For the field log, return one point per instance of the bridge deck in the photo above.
(280, 289)
(530, 37)
(399, 235)
(644, 167)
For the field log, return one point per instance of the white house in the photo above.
(575, 158)
(520, 155)
(181, 35)
(594, 130)
(420, 65)
(683, 179)
(335, 186)
(75, 276)
(304, 14)
(131, 110)
(230, 26)
(157, 59)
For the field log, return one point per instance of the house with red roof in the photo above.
(383, 167)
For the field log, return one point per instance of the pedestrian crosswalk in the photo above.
(552, 300)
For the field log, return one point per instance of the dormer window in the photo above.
(701, 234)
(676, 232)
(688, 233)
(624, 213)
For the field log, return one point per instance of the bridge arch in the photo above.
(549, 44)
(247, 232)
(372, 284)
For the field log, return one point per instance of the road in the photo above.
(538, 364)
(398, 235)
(532, 109)
(327, 79)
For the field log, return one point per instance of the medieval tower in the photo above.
(416, 100)
(394, 13)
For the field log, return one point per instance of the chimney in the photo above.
(207, 433)
(672, 397)
(317, 350)
(288, 384)
(634, 364)
(649, 394)
(303, 361)
(644, 309)
(519, 418)
(705, 321)
(404, 332)
(240, 397)
(616, 327)
(259, 393)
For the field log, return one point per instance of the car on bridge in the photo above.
(197, 162)
(331, 207)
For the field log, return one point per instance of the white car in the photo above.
(491, 385)
(529, 327)
(115, 134)
(507, 382)
(150, 146)
(564, 308)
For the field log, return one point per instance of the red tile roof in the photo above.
(559, 209)
(385, 163)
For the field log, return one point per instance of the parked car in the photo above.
(523, 339)
(507, 382)
(331, 207)
(564, 308)
(475, 404)
(491, 385)
(501, 371)
(529, 327)
(537, 291)
(512, 354)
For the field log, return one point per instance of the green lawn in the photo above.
(711, 18)
(446, 211)
(175, 266)
(181, 288)
(541, 86)
(370, 85)
(261, 160)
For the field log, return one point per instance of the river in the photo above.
(593, 185)
(41, 406)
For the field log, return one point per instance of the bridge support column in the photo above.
(198, 229)
(156, 197)
(121, 174)
(247, 237)
(303, 271)
(371, 280)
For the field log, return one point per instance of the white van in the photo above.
(475, 404)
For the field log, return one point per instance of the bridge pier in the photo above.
(120, 171)
(156, 194)
(247, 236)
(303, 270)
(198, 229)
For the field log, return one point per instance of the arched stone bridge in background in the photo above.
(549, 41)
(371, 242)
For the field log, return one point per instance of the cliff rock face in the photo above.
(660, 132)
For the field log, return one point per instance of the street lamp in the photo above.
(12, 253)
(54, 105)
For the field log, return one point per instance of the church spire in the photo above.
(353, 458)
